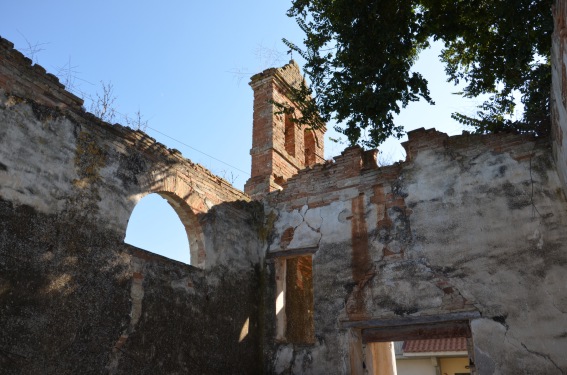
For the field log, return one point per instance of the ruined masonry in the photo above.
(308, 271)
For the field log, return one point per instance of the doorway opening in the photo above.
(438, 347)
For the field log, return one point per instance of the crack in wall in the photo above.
(544, 356)
(551, 299)
(316, 230)
(443, 282)
(319, 231)
(289, 234)
(513, 342)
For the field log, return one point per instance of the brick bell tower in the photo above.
(280, 147)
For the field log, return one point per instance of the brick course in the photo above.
(278, 144)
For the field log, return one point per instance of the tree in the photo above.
(359, 54)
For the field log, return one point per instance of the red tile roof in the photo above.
(455, 344)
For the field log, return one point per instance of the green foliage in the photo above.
(359, 54)
(307, 107)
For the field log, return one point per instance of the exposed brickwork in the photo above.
(421, 237)
(144, 165)
(21, 78)
(354, 176)
(190, 188)
(18, 77)
(356, 170)
(299, 298)
(324, 183)
(280, 148)
(183, 177)
(361, 264)
(468, 226)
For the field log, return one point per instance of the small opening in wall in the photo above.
(310, 147)
(289, 135)
(155, 226)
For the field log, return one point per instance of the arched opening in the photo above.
(309, 141)
(164, 224)
(289, 135)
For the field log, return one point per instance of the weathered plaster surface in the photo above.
(74, 299)
(472, 224)
(469, 226)
(39, 187)
(559, 89)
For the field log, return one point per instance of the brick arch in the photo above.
(191, 224)
(191, 190)
(187, 204)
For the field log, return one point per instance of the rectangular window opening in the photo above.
(294, 300)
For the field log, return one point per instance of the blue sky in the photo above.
(185, 65)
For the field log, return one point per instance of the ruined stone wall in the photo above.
(469, 227)
(74, 299)
(559, 88)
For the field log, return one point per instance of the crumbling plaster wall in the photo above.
(73, 297)
(470, 225)
(559, 89)
(467, 225)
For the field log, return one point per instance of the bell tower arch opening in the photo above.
(310, 147)
(280, 148)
